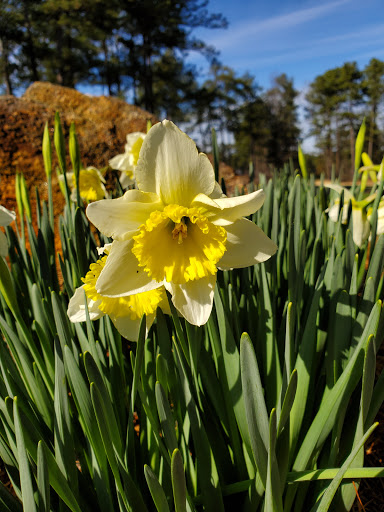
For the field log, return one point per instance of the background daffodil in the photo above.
(91, 184)
(380, 217)
(6, 217)
(361, 224)
(178, 228)
(127, 161)
(125, 312)
(369, 169)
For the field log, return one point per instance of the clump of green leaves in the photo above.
(267, 407)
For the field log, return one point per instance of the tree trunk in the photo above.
(5, 64)
(337, 161)
(148, 78)
(59, 51)
(107, 74)
(30, 46)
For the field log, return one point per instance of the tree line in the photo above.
(136, 50)
(337, 101)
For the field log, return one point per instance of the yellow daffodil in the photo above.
(369, 169)
(361, 226)
(127, 161)
(125, 312)
(380, 217)
(6, 217)
(177, 228)
(91, 184)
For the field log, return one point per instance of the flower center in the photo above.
(180, 231)
(134, 306)
(179, 244)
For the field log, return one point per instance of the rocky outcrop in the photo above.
(102, 124)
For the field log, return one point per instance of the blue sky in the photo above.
(302, 38)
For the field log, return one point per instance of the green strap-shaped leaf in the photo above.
(8, 503)
(130, 494)
(95, 376)
(58, 481)
(231, 359)
(162, 371)
(82, 398)
(166, 419)
(42, 480)
(324, 420)
(255, 408)
(29, 504)
(326, 500)
(156, 490)
(273, 495)
(63, 433)
(61, 320)
(304, 364)
(289, 398)
(178, 482)
(327, 414)
(207, 471)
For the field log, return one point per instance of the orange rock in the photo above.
(102, 124)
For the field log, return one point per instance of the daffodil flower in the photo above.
(361, 225)
(91, 184)
(177, 228)
(380, 217)
(6, 217)
(369, 169)
(125, 312)
(127, 161)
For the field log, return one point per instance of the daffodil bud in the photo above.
(302, 163)
(7, 289)
(47, 154)
(359, 144)
(25, 197)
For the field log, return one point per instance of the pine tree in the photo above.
(374, 90)
(283, 120)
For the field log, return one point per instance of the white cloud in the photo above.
(351, 46)
(241, 32)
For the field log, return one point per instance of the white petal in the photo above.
(132, 138)
(101, 250)
(130, 328)
(334, 212)
(76, 307)
(339, 189)
(125, 180)
(3, 244)
(247, 244)
(217, 192)
(170, 166)
(127, 327)
(380, 221)
(194, 299)
(6, 216)
(118, 218)
(361, 227)
(121, 162)
(121, 274)
(233, 208)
